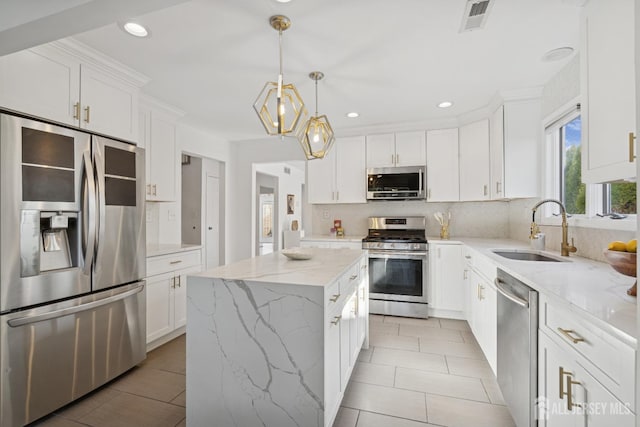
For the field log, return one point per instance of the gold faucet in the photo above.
(565, 247)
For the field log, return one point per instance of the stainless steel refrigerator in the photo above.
(72, 263)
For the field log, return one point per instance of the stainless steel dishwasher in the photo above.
(518, 347)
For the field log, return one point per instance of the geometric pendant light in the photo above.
(316, 136)
(279, 105)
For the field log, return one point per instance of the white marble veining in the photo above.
(591, 289)
(255, 340)
(165, 249)
(323, 268)
(333, 239)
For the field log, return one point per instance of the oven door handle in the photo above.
(397, 254)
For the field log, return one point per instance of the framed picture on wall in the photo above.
(291, 200)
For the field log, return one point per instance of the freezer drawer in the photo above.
(52, 355)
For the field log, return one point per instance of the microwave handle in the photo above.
(420, 179)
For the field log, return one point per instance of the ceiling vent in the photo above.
(475, 14)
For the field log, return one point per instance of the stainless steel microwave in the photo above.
(401, 183)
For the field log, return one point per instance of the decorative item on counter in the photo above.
(443, 220)
(337, 225)
(333, 231)
(622, 258)
(291, 201)
(294, 225)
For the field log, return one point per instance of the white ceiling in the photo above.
(392, 61)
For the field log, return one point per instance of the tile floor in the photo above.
(416, 373)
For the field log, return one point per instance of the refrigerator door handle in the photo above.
(27, 320)
(89, 215)
(100, 185)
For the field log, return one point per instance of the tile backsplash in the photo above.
(495, 219)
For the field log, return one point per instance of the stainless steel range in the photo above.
(398, 266)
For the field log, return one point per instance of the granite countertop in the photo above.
(322, 269)
(591, 289)
(329, 238)
(165, 249)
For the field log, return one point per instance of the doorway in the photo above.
(267, 206)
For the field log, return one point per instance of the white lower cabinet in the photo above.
(482, 304)
(346, 329)
(167, 294)
(447, 283)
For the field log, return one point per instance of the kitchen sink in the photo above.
(526, 255)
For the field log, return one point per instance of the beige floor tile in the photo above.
(170, 357)
(460, 325)
(431, 333)
(450, 348)
(469, 367)
(82, 407)
(152, 383)
(130, 410)
(371, 419)
(386, 400)
(410, 359)
(431, 322)
(444, 384)
(365, 354)
(394, 341)
(376, 318)
(468, 337)
(493, 390)
(384, 328)
(451, 412)
(181, 399)
(374, 374)
(56, 421)
(347, 417)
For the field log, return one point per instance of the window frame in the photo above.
(552, 174)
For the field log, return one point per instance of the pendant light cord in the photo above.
(316, 97)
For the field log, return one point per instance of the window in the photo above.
(564, 181)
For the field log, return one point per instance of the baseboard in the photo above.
(165, 339)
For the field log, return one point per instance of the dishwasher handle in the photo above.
(502, 289)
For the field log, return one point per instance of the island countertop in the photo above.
(321, 270)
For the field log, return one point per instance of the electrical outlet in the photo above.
(325, 214)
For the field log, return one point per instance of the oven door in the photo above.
(398, 276)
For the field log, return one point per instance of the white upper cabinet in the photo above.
(158, 136)
(69, 83)
(341, 176)
(399, 149)
(608, 90)
(443, 182)
(514, 147)
(474, 161)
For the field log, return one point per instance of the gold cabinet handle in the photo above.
(570, 404)
(485, 189)
(352, 278)
(179, 282)
(465, 274)
(397, 159)
(154, 189)
(562, 373)
(429, 194)
(334, 298)
(76, 111)
(393, 159)
(337, 195)
(567, 333)
(632, 154)
(173, 282)
(87, 114)
(336, 320)
(175, 262)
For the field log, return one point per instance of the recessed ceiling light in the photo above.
(353, 115)
(283, 1)
(557, 54)
(135, 29)
(445, 104)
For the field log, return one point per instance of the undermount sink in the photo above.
(526, 255)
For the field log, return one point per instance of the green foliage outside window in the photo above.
(574, 189)
(623, 197)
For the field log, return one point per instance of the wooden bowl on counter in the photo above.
(623, 263)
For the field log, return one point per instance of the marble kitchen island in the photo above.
(273, 341)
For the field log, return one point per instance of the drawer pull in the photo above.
(175, 262)
(336, 320)
(570, 404)
(335, 298)
(561, 381)
(567, 333)
(352, 278)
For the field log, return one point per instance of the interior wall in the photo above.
(192, 201)
(241, 204)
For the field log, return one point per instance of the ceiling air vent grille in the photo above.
(475, 14)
